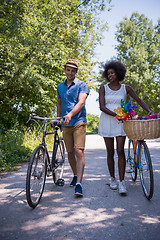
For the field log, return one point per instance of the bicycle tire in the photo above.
(36, 176)
(146, 170)
(131, 160)
(58, 161)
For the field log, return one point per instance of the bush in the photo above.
(33, 137)
(12, 150)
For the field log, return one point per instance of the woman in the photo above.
(110, 96)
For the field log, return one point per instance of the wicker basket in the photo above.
(142, 129)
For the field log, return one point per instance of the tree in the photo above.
(92, 123)
(139, 49)
(37, 36)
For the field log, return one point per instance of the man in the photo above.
(72, 94)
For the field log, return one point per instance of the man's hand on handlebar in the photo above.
(66, 119)
(55, 123)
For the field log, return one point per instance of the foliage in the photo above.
(33, 137)
(92, 123)
(12, 150)
(37, 36)
(139, 49)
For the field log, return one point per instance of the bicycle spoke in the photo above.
(37, 177)
(58, 161)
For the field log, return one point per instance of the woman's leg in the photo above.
(109, 142)
(121, 156)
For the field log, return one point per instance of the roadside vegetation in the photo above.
(17, 144)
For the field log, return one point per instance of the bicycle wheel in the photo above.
(146, 170)
(58, 163)
(131, 160)
(36, 176)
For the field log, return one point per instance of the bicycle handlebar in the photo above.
(44, 118)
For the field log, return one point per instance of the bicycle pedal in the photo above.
(129, 171)
(60, 182)
(49, 174)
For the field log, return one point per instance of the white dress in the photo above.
(109, 126)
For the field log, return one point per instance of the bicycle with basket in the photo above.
(138, 156)
(42, 165)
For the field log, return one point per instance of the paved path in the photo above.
(101, 214)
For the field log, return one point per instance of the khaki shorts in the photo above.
(75, 136)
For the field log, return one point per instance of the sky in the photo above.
(104, 52)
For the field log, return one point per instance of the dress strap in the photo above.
(124, 88)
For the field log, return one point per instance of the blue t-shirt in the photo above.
(69, 98)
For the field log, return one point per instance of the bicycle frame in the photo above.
(41, 165)
(56, 140)
(45, 133)
(136, 153)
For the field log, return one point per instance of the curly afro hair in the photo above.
(118, 67)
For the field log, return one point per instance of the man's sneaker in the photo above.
(78, 191)
(122, 188)
(74, 181)
(113, 184)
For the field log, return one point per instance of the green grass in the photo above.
(18, 143)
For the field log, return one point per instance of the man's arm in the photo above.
(81, 101)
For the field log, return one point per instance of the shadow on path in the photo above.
(101, 214)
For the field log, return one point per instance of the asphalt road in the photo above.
(101, 214)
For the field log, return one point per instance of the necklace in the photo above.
(115, 88)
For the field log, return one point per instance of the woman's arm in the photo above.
(102, 102)
(132, 93)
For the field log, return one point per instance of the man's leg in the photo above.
(79, 145)
(79, 135)
(79, 153)
(77, 163)
(72, 162)
(69, 143)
